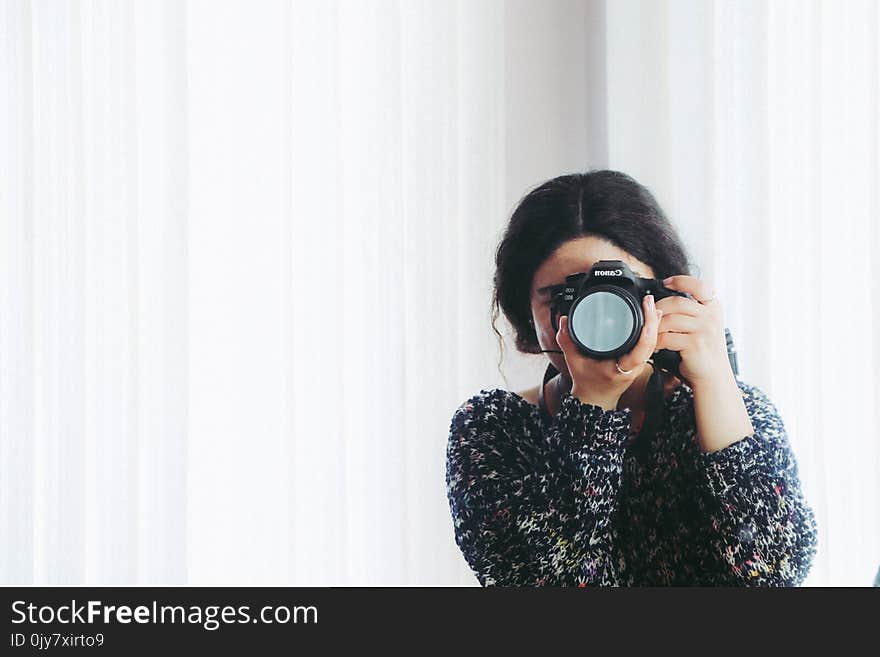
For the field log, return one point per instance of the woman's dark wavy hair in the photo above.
(605, 204)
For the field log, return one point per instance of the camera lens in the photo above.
(602, 321)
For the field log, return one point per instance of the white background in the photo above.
(246, 254)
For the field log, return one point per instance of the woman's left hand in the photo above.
(695, 329)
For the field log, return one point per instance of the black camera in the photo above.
(604, 309)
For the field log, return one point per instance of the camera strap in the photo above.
(654, 407)
(549, 373)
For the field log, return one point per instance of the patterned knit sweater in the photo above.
(572, 502)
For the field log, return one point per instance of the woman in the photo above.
(559, 494)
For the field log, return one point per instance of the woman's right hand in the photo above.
(598, 381)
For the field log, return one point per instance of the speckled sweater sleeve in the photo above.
(763, 528)
(543, 518)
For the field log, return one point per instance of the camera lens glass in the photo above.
(602, 321)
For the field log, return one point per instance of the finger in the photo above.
(645, 346)
(679, 323)
(673, 341)
(683, 283)
(563, 339)
(680, 305)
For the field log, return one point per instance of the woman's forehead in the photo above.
(579, 256)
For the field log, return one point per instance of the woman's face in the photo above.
(577, 255)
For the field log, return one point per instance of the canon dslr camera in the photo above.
(604, 308)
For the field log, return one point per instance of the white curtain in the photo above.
(246, 256)
(758, 125)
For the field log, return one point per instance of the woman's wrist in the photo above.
(587, 398)
(720, 413)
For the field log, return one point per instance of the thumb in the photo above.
(563, 339)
